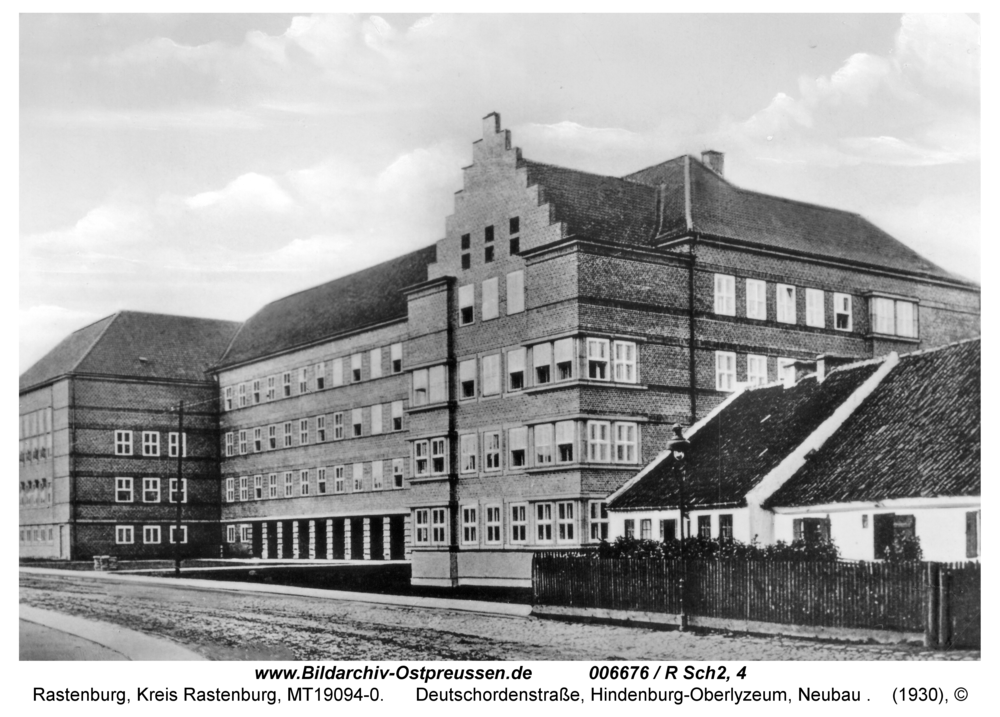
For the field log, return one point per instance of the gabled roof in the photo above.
(916, 435)
(743, 442)
(132, 344)
(365, 298)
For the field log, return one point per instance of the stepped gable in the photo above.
(365, 298)
(916, 435)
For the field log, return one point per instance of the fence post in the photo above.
(944, 608)
(931, 606)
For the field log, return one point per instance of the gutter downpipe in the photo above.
(692, 378)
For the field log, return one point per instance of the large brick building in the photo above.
(476, 400)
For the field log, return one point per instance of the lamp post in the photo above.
(678, 447)
(180, 484)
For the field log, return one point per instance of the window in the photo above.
(272, 485)
(493, 526)
(397, 415)
(515, 226)
(815, 309)
(270, 388)
(355, 367)
(515, 369)
(565, 522)
(421, 521)
(519, 524)
(303, 380)
(725, 371)
(304, 482)
(338, 426)
(255, 392)
(439, 524)
(286, 384)
(704, 526)
(376, 419)
(272, 437)
(543, 522)
(244, 488)
(515, 292)
(230, 490)
(439, 456)
(466, 304)
(228, 398)
(230, 446)
(172, 445)
(543, 444)
(726, 526)
(491, 450)
(598, 441)
(668, 530)
(397, 472)
(786, 303)
(320, 371)
(173, 494)
(243, 395)
(303, 431)
(287, 437)
(491, 300)
(725, 295)
(842, 312)
(124, 535)
(646, 529)
(337, 372)
(338, 479)
(356, 415)
(597, 359)
(420, 387)
(541, 359)
(784, 366)
(246, 533)
(466, 241)
(973, 534)
(906, 319)
(377, 482)
(243, 442)
(756, 299)
(626, 443)
(438, 384)
(320, 429)
(375, 363)
(230, 533)
(488, 234)
(257, 441)
(123, 490)
(598, 520)
(468, 449)
(288, 484)
(518, 446)
(179, 534)
(817, 530)
(756, 370)
(258, 487)
(466, 261)
(421, 462)
(564, 358)
(151, 490)
(624, 360)
(469, 524)
(396, 358)
(467, 378)
(150, 443)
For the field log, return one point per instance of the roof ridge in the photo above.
(657, 164)
(583, 171)
(173, 316)
(933, 349)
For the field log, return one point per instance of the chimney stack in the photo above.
(714, 160)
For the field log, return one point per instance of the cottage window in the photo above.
(704, 526)
(668, 530)
(726, 526)
(646, 529)
(725, 294)
(629, 528)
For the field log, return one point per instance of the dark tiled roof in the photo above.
(595, 206)
(173, 347)
(917, 435)
(367, 297)
(669, 175)
(743, 442)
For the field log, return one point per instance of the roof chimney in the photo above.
(714, 160)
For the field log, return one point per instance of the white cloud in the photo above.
(248, 192)
(43, 326)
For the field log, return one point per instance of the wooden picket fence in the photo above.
(903, 597)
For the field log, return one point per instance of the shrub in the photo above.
(904, 548)
(696, 548)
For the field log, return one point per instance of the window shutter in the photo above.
(466, 295)
(972, 534)
(564, 350)
(542, 355)
(467, 370)
(515, 360)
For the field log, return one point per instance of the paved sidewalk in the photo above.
(476, 606)
(108, 638)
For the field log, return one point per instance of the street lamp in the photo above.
(678, 447)
(178, 494)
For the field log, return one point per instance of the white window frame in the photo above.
(598, 359)
(466, 305)
(357, 368)
(786, 303)
(230, 490)
(151, 486)
(467, 379)
(397, 415)
(246, 533)
(339, 479)
(230, 445)
(357, 477)
(338, 426)
(258, 487)
(565, 435)
(756, 299)
(598, 441)
(422, 526)
(624, 355)
(244, 488)
(439, 526)
(491, 299)
(304, 481)
(566, 522)
(421, 458)
(516, 361)
(288, 433)
(725, 371)
(321, 429)
(517, 440)
(172, 533)
(543, 438)
(123, 490)
(847, 310)
(396, 358)
(493, 521)
(491, 453)
(357, 423)
(172, 490)
(439, 456)
(912, 330)
(124, 534)
(230, 533)
(272, 437)
(756, 370)
(242, 393)
(564, 359)
(286, 384)
(626, 447)
(150, 443)
(378, 468)
(227, 400)
(599, 520)
(815, 308)
(303, 380)
(515, 292)
(375, 363)
(320, 372)
(289, 484)
(255, 392)
(519, 523)
(303, 431)
(258, 440)
(470, 524)
(545, 519)
(271, 391)
(469, 453)
(243, 442)
(272, 485)
(397, 472)
(172, 444)
(725, 295)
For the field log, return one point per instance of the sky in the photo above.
(207, 164)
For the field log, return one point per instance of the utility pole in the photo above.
(178, 494)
